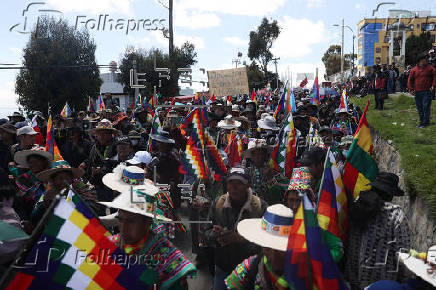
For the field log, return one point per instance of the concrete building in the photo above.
(382, 40)
(113, 87)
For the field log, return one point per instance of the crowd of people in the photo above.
(110, 155)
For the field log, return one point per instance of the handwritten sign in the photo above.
(228, 81)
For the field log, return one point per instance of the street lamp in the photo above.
(342, 48)
(237, 60)
(381, 4)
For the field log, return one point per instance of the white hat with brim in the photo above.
(418, 267)
(229, 123)
(21, 156)
(265, 232)
(139, 200)
(58, 166)
(123, 177)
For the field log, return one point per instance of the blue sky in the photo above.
(218, 28)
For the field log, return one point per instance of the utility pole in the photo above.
(342, 51)
(135, 76)
(352, 67)
(277, 75)
(170, 30)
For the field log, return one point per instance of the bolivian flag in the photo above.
(360, 167)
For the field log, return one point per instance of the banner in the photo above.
(228, 81)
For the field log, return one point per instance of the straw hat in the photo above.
(21, 156)
(9, 128)
(59, 166)
(103, 125)
(123, 177)
(139, 200)
(342, 110)
(17, 115)
(272, 230)
(229, 123)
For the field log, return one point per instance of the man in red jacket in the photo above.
(422, 81)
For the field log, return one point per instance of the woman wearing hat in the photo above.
(265, 270)
(58, 177)
(30, 187)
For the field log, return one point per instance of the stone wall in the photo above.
(422, 226)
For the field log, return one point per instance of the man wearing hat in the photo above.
(377, 231)
(124, 149)
(26, 139)
(225, 213)
(101, 152)
(421, 83)
(16, 117)
(77, 149)
(137, 212)
(266, 269)
(228, 128)
(344, 121)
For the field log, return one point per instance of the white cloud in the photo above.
(94, 6)
(196, 40)
(195, 19)
(297, 37)
(8, 98)
(305, 67)
(179, 39)
(236, 41)
(239, 7)
(360, 6)
(315, 3)
(16, 51)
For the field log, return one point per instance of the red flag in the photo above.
(303, 83)
(213, 98)
(39, 139)
(234, 151)
(253, 95)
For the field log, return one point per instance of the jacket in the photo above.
(422, 78)
(227, 216)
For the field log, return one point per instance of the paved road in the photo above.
(204, 280)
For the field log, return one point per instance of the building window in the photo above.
(377, 50)
(386, 40)
(417, 26)
(433, 38)
(377, 60)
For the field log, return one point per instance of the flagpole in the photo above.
(309, 268)
(322, 180)
(32, 240)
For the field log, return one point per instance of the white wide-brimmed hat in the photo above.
(268, 123)
(123, 177)
(229, 123)
(271, 231)
(21, 156)
(418, 266)
(140, 200)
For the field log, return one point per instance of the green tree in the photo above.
(332, 60)
(261, 41)
(184, 57)
(59, 66)
(416, 45)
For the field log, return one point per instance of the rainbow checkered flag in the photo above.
(332, 204)
(66, 111)
(309, 264)
(74, 252)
